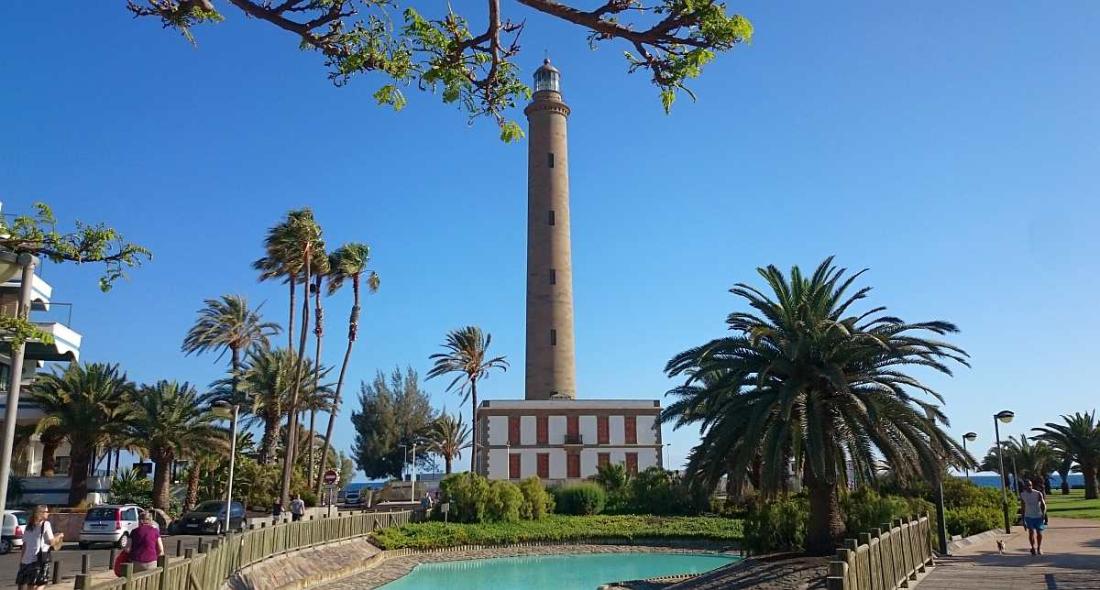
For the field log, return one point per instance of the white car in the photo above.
(110, 524)
(11, 534)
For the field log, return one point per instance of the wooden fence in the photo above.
(884, 559)
(208, 567)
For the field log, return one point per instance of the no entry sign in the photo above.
(331, 477)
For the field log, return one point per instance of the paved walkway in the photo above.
(1070, 561)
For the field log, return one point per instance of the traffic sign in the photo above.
(331, 477)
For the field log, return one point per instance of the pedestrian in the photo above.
(297, 508)
(1035, 514)
(276, 511)
(38, 541)
(146, 545)
(426, 503)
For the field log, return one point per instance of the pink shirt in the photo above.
(143, 544)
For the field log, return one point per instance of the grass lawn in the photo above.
(1072, 506)
(558, 528)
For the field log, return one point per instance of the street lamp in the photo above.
(663, 453)
(969, 436)
(941, 470)
(11, 264)
(1004, 416)
(234, 410)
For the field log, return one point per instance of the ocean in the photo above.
(992, 481)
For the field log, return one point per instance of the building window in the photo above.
(602, 436)
(552, 217)
(553, 277)
(550, 159)
(513, 466)
(542, 430)
(573, 465)
(632, 463)
(631, 427)
(513, 430)
(553, 337)
(603, 459)
(543, 466)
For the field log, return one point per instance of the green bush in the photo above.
(656, 491)
(503, 502)
(132, 487)
(468, 495)
(778, 525)
(973, 520)
(537, 502)
(580, 499)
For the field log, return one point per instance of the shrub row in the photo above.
(475, 499)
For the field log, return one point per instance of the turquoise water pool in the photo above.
(554, 572)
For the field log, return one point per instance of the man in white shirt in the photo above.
(297, 508)
(1035, 512)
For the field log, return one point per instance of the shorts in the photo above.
(1035, 524)
(296, 517)
(32, 574)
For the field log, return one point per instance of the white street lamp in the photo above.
(969, 436)
(233, 411)
(1004, 416)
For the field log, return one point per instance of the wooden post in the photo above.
(128, 573)
(83, 582)
(111, 558)
(179, 547)
(162, 563)
(86, 563)
(838, 576)
(56, 577)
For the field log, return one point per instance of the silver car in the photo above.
(110, 524)
(11, 534)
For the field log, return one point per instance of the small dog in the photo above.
(1000, 546)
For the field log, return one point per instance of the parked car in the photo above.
(11, 535)
(353, 497)
(111, 524)
(209, 517)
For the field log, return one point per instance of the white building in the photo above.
(550, 433)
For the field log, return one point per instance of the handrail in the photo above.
(886, 558)
(212, 564)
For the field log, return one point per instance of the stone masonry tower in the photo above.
(551, 370)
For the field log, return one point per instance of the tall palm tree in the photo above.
(348, 262)
(316, 396)
(169, 422)
(1033, 460)
(89, 403)
(467, 354)
(804, 381)
(449, 437)
(228, 324)
(51, 438)
(1079, 437)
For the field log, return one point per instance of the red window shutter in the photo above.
(542, 427)
(603, 459)
(574, 465)
(544, 465)
(632, 463)
(572, 425)
(513, 430)
(602, 429)
(513, 466)
(632, 430)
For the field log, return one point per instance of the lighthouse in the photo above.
(550, 434)
(551, 363)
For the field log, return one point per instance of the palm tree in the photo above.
(1078, 437)
(346, 262)
(228, 324)
(51, 438)
(467, 355)
(168, 422)
(90, 404)
(1033, 461)
(320, 267)
(449, 436)
(805, 383)
(316, 396)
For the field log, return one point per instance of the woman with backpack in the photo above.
(38, 541)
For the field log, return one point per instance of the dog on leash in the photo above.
(1000, 546)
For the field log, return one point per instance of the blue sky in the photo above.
(950, 148)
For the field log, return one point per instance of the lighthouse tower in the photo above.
(551, 368)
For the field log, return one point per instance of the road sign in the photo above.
(331, 477)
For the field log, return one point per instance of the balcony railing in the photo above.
(574, 439)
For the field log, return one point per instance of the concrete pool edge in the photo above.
(388, 566)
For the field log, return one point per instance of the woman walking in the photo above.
(38, 541)
(146, 545)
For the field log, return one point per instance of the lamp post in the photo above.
(969, 436)
(12, 264)
(1004, 416)
(663, 453)
(941, 469)
(235, 410)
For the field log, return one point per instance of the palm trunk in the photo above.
(1064, 476)
(292, 420)
(161, 481)
(447, 464)
(318, 332)
(193, 485)
(49, 450)
(353, 333)
(290, 320)
(269, 440)
(473, 411)
(1089, 471)
(826, 528)
(80, 459)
